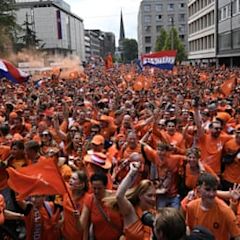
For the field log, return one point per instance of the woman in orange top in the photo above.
(107, 223)
(133, 203)
(79, 186)
(194, 168)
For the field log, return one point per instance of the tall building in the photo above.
(202, 31)
(156, 14)
(99, 43)
(228, 32)
(60, 31)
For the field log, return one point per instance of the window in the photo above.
(147, 29)
(181, 36)
(181, 17)
(171, 19)
(236, 39)
(148, 39)
(158, 17)
(170, 7)
(158, 28)
(234, 7)
(147, 8)
(181, 28)
(224, 41)
(148, 49)
(181, 5)
(158, 7)
(147, 19)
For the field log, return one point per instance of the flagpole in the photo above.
(65, 186)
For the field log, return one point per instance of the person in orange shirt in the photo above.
(78, 184)
(211, 143)
(107, 223)
(108, 127)
(211, 212)
(231, 172)
(32, 152)
(172, 137)
(194, 167)
(41, 219)
(132, 203)
(17, 156)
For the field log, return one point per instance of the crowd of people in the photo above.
(143, 155)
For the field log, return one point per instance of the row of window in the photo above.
(229, 40)
(201, 23)
(148, 39)
(170, 17)
(229, 10)
(159, 7)
(203, 43)
(148, 29)
(197, 6)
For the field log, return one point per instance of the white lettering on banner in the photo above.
(156, 61)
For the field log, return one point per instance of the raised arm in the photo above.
(125, 206)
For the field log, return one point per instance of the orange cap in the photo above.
(98, 139)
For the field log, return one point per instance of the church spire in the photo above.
(122, 32)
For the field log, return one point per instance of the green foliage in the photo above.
(160, 43)
(130, 50)
(7, 25)
(170, 40)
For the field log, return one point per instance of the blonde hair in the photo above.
(132, 194)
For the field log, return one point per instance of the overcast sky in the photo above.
(105, 15)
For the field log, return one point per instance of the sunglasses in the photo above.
(45, 134)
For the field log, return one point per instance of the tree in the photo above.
(7, 24)
(29, 39)
(130, 50)
(161, 39)
(172, 41)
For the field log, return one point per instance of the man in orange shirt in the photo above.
(211, 143)
(210, 212)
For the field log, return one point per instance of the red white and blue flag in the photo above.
(9, 71)
(162, 60)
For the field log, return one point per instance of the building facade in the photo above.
(60, 31)
(156, 14)
(228, 32)
(99, 43)
(202, 31)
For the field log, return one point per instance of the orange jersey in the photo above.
(220, 219)
(70, 229)
(211, 150)
(101, 228)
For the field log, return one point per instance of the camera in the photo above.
(148, 220)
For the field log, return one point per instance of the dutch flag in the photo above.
(9, 71)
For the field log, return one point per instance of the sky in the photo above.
(105, 15)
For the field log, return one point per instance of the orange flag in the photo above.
(108, 61)
(42, 178)
(227, 86)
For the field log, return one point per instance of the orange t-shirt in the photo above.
(49, 231)
(191, 178)
(211, 150)
(232, 170)
(220, 219)
(101, 228)
(137, 231)
(70, 230)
